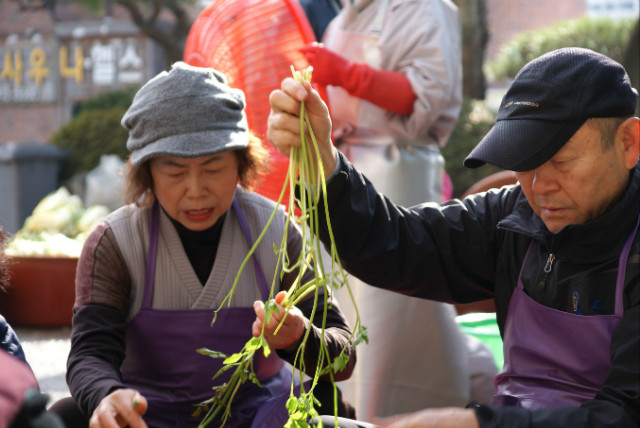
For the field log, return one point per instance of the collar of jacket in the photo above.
(599, 239)
(358, 5)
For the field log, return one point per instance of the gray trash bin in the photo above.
(28, 172)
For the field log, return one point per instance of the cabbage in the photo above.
(58, 226)
(90, 218)
(45, 244)
(57, 212)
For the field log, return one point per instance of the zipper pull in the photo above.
(549, 265)
(575, 297)
(547, 268)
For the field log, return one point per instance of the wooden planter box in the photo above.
(41, 292)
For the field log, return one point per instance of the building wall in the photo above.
(29, 123)
(50, 63)
(506, 18)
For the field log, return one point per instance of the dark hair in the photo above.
(607, 126)
(253, 165)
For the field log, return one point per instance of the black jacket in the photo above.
(463, 251)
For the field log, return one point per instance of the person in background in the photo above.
(393, 76)
(559, 252)
(151, 275)
(320, 13)
(22, 405)
(9, 341)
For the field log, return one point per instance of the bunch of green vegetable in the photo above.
(309, 179)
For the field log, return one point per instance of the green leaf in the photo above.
(210, 353)
(292, 404)
(340, 363)
(271, 305)
(243, 375)
(253, 344)
(196, 413)
(222, 370)
(254, 379)
(234, 358)
(266, 350)
(362, 336)
(219, 387)
(297, 416)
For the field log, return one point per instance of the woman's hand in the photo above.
(291, 330)
(121, 408)
(284, 120)
(448, 417)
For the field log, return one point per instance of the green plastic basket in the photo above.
(484, 327)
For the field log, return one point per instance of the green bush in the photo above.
(87, 137)
(475, 121)
(94, 131)
(606, 36)
(107, 100)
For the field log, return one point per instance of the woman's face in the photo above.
(195, 192)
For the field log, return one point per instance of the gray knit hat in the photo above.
(186, 112)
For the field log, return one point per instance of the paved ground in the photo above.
(46, 351)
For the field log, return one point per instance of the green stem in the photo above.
(307, 176)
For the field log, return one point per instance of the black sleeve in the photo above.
(336, 336)
(616, 404)
(97, 351)
(445, 252)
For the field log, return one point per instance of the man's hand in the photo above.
(121, 408)
(448, 417)
(291, 330)
(284, 120)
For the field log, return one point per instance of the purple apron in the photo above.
(554, 358)
(162, 363)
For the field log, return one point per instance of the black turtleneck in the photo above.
(201, 246)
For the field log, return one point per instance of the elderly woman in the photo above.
(152, 274)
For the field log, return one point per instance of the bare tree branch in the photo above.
(152, 26)
(34, 6)
(147, 15)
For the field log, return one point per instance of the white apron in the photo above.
(409, 172)
(416, 356)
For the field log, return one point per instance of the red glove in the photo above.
(389, 90)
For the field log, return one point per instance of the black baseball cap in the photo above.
(549, 99)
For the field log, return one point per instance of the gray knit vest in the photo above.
(176, 283)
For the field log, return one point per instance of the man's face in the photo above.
(580, 183)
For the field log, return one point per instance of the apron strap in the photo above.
(376, 27)
(153, 250)
(150, 269)
(622, 270)
(262, 282)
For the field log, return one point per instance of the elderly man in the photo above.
(559, 252)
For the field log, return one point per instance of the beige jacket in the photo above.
(421, 39)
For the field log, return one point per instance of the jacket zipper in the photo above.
(547, 269)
